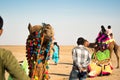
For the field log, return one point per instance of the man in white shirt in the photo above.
(81, 60)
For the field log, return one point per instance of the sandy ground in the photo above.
(63, 69)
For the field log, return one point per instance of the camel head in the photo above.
(47, 31)
(34, 28)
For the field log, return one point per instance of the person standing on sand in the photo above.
(81, 60)
(9, 63)
(55, 56)
(102, 35)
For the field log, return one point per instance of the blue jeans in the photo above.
(76, 75)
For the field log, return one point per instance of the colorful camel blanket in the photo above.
(100, 64)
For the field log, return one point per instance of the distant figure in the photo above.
(102, 38)
(81, 60)
(9, 63)
(56, 50)
(109, 32)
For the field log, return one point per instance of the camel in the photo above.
(112, 47)
(38, 45)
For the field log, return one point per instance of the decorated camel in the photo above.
(113, 47)
(101, 57)
(38, 47)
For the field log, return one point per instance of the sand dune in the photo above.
(62, 70)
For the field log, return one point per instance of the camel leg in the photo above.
(111, 49)
(116, 48)
(117, 60)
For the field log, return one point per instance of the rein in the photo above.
(36, 64)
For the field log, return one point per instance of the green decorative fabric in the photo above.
(10, 78)
(103, 55)
(24, 66)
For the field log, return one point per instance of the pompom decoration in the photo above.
(38, 53)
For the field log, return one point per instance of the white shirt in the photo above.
(81, 57)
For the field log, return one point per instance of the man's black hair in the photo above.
(1, 22)
(80, 41)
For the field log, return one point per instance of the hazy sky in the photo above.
(70, 19)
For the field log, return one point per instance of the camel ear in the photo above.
(30, 28)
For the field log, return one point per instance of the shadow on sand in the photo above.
(61, 63)
(58, 74)
(66, 63)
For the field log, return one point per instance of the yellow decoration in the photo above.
(94, 69)
(106, 69)
(36, 78)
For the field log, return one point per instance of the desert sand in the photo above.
(63, 69)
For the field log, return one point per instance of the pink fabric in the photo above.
(103, 35)
(105, 73)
